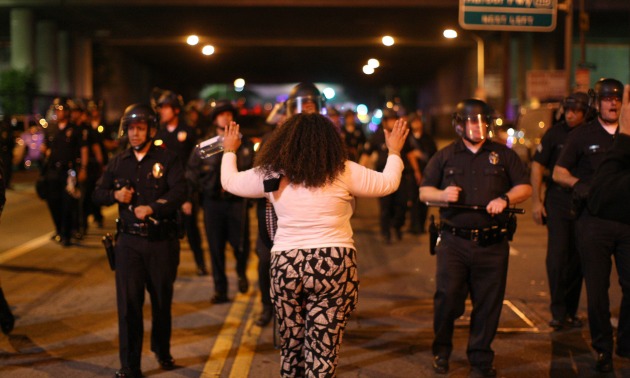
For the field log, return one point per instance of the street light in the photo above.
(451, 34)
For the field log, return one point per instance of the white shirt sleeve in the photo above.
(364, 182)
(247, 183)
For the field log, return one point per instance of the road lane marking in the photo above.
(227, 335)
(25, 248)
(247, 346)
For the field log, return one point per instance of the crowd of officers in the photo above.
(160, 184)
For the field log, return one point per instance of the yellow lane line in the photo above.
(25, 248)
(233, 321)
(247, 347)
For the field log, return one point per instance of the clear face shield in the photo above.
(476, 128)
(306, 104)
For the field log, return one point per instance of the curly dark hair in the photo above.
(307, 149)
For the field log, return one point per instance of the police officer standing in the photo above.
(393, 207)
(66, 150)
(584, 151)
(425, 149)
(554, 209)
(473, 250)
(7, 320)
(180, 138)
(148, 184)
(225, 215)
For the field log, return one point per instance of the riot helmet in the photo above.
(60, 109)
(170, 98)
(61, 103)
(578, 101)
(606, 88)
(138, 113)
(221, 106)
(301, 98)
(472, 119)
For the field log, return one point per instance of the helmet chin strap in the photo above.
(143, 144)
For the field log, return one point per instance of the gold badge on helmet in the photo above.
(493, 158)
(158, 170)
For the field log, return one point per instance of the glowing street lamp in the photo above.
(192, 40)
(207, 50)
(388, 40)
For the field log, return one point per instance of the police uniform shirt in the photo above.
(585, 149)
(158, 181)
(182, 140)
(427, 146)
(204, 175)
(551, 145)
(3, 198)
(483, 176)
(65, 146)
(609, 197)
(377, 143)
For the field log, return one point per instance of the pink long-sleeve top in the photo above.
(314, 217)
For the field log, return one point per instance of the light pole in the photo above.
(451, 34)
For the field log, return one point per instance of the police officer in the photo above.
(177, 136)
(473, 250)
(7, 320)
(583, 153)
(225, 215)
(393, 207)
(353, 135)
(148, 184)
(66, 150)
(425, 149)
(554, 209)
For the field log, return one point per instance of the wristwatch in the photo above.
(506, 199)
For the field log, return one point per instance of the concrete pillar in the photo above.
(82, 75)
(22, 39)
(46, 57)
(63, 63)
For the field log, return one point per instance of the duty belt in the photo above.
(139, 229)
(165, 229)
(483, 236)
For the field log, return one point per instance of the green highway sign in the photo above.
(508, 15)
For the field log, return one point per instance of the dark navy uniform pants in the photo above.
(141, 264)
(599, 240)
(564, 270)
(226, 221)
(193, 235)
(393, 209)
(463, 267)
(61, 204)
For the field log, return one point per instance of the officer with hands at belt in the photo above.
(473, 250)
(148, 184)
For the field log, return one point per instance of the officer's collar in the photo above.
(129, 152)
(486, 145)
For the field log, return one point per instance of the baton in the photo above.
(512, 210)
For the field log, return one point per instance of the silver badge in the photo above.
(493, 158)
(158, 170)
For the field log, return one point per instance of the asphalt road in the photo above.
(64, 301)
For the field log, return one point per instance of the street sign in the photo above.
(508, 15)
(545, 84)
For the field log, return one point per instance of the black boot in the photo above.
(7, 321)
(265, 316)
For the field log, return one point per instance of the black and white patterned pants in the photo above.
(313, 291)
